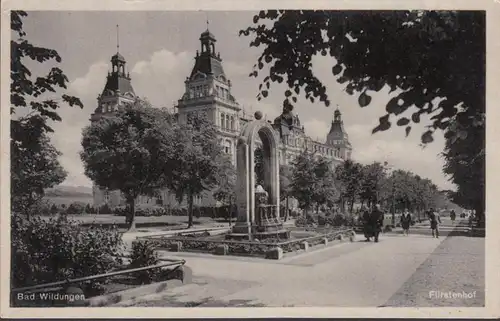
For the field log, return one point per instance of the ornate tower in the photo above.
(208, 90)
(118, 89)
(338, 138)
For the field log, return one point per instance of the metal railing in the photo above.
(61, 284)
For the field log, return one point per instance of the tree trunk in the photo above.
(190, 209)
(230, 212)
(131, 214)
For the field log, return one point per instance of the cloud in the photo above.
(317, 129)
(401, 153)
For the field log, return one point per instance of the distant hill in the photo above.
(69, 191)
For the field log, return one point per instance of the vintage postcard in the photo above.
(236, 159)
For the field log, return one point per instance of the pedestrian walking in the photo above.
(376, 221)
(435, 220)
(366, 224)
(453, 215)
(406, 222)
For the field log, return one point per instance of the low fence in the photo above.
(65, 285)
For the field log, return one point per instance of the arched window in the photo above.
(222, 120)
(232, 123)
(227, 147)
(227, 121)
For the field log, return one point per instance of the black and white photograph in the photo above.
(246, 158)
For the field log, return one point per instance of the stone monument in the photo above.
(258, 205)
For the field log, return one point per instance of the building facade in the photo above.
(208, 90)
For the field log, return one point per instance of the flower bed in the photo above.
(203, 243)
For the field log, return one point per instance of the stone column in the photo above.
(251, 179)
(242, 224)
(275, 181)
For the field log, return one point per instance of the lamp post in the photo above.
(393, 206)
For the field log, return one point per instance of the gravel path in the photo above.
(455, 268)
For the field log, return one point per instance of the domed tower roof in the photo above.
(208, 62)
(337, 130)
(207, 35)
(118, 57)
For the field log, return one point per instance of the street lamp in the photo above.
(393, 205)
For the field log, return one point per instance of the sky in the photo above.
(159, 48)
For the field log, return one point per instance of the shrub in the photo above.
(105, 209)
(321, 220)
(40, 207)
(75, 208)
(305, 220)
(144, 254)
(340, 219)
(56, 249)
(54, 209)
(88, 209)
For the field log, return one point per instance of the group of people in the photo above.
(374, 220)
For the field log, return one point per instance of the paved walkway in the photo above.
(397, 271)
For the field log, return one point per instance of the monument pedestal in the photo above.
(247, 232)
(241, 231)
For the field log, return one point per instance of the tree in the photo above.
(373, 177)
(350, 177)
(434, 64)
(465, 163)
(129, 152)
(225, 191)
(197, 156)
(325, 191)
(34, 168)
(424, 55)
(33, 159)
(303, 180)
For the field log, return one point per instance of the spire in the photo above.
(117, 60)
(117, 38)
(118, 80)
